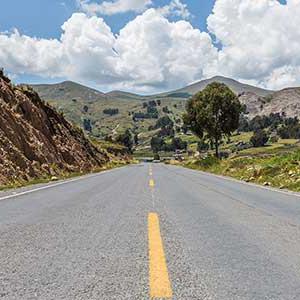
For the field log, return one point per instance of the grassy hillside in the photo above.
(274, 165)
(86, 107)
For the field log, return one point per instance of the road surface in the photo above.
(149, 231)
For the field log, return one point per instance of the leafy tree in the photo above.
(165, 109)
(152, 103)
(179, 144)
(259, 138)
(166, 131)
(163, 121)
(156, 143)
(111, 111)
(213, 112)
(85, 108)
(156, 156)
(87, 125)
(126, 139)
(184, 128)
(136, 139)
(202, 146)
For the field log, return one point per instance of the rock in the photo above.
(54, 178)
(266, 183)
(35, 140)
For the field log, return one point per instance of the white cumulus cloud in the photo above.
(175, 8)
(114, 6)
(150, 53)
(259, 43)
(260, 40)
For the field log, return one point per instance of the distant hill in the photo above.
(68, 90)
(234, 85)
(124, 95)
(84, 105)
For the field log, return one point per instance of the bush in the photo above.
(87, 126)
(163, 121)
(156, 156)
(202, 146)
(111, 111)
(126, 139)
(179, 144)
(157, 143)
(259, 138)
(165, 109)
(208, 162)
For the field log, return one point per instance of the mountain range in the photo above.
(79, 103)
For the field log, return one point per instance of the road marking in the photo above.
(151, 183)
(160, 286)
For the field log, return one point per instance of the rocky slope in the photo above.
(37, 141)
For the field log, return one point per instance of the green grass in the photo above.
(277, 170)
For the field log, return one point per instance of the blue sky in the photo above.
(163, 45)
(43, 18)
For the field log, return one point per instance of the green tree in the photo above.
(213, 113)
(126, 139)
(259, 138)
(156, 143)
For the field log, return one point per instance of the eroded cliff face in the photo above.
(35, 140)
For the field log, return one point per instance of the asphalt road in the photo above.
(115, 235)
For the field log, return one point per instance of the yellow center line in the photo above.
(160, 286)
(151, 183)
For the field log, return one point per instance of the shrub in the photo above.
(111, 111)
(259, 138)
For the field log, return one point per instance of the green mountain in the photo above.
(234, 85)
(108, 114)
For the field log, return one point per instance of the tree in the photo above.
(214, 113)
(259, 138)
(156, 143)
(179, 144)
(156, 156)
(87, 125)
(126, 139)
(202, 146)
(164, 121)
(136, 139)
(111, 111)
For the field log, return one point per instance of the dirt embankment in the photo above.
(36, 140)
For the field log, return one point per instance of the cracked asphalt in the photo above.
(87, 238)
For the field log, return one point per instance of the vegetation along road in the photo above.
(149, 231)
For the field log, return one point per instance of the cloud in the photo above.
(259, 43)
(260, 40)
(156, 52)
(113, 7)
(22, 54)
(175, 8)
(150, 53)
